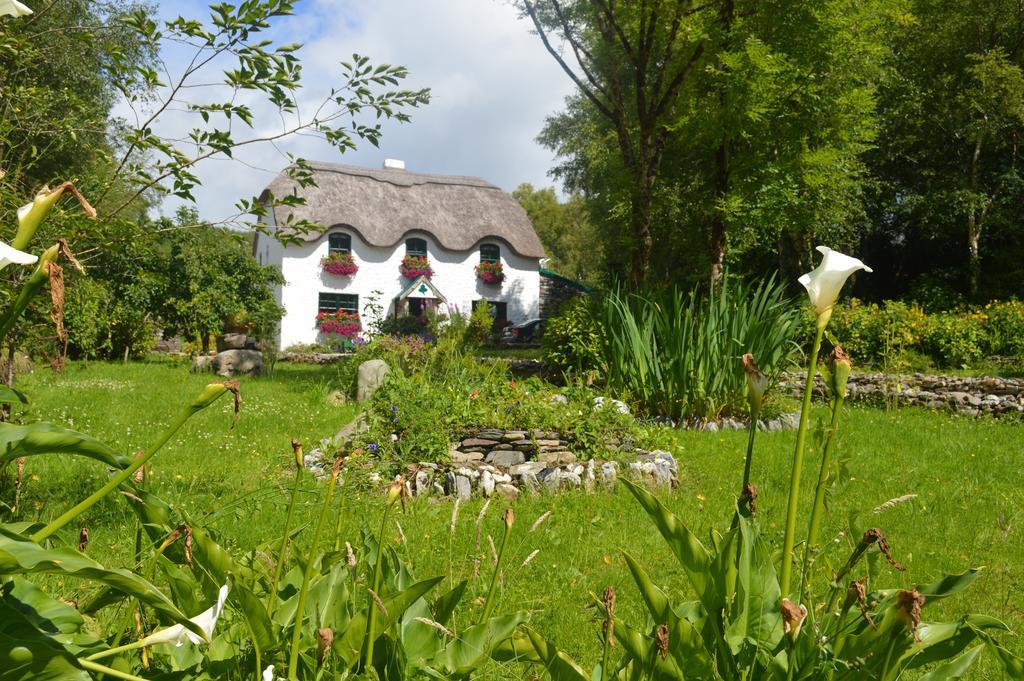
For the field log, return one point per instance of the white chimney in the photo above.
(394, 164)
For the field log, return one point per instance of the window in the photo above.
(490, 253)
(416, 246)
(338, 242)
(332, 302)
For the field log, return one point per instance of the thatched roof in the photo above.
(383, 205)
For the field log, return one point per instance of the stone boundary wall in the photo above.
(968, 395)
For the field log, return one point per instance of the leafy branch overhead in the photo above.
(234, 42)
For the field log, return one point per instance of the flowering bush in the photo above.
(415, 266)
(490, 272)
(340, 264)
(340, 323)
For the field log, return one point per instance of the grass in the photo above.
(965, 472)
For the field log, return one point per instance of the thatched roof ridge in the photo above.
(383, 205)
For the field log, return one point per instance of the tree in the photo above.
(632, 63)
(764, 152)
(573, 246)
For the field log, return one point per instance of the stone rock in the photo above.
(557, 457)
(466, 457)
(558, 398)
(505, 457)
(337, 398)
(609, 471)
(423, 483)
(550, 478)
(711, 427)
(477, 442)
(790, 421)
(369, 377)
(502, 446)
(463, 487)
(513, 435)
(232, 341)
(618, 405)
(549, 443)
(200, 364)
(235, 362)
(528, 468)
(507, 492)
(486, 483)
(356, 426)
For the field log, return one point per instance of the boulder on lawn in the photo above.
(232, 341)
(235, 362)
(369, 377)
(200, 363)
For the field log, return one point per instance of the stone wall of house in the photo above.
(555, 292)
(962, 394)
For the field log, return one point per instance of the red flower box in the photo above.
(339, 323)
(414, 266)
(340, 264)
(490, 272)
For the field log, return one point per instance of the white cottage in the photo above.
(380, 224)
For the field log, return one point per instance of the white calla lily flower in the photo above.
(12, 256)
(13, 8)
(268, 673)
(825, 282)
(178, 634)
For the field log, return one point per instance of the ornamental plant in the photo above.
(415, 266)
(340, 264)
(749, 620)
(490, 272)
(339, 323)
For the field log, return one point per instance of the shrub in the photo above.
(572, 340)
(956, 339)
(678, 354)
(1005, 324)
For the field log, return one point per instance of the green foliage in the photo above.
(572, 340)
(480, 328)
(678, 354)
(572, 244)
(882, 335)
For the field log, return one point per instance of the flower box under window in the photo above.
(414, 266)
(340, 264)
(339, 323)
(490, 272)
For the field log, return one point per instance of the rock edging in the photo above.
(969, 395)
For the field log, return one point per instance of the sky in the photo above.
(492, 85)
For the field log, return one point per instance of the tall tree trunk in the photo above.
(975, 218)
(643, 199)
(717, 241)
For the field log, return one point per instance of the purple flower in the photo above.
(394, 408)
(372, 447)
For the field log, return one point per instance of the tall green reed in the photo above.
(676, 352)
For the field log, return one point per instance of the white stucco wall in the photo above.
(454, 276)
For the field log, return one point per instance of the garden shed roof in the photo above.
(385, 204)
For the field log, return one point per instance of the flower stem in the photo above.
(371, 608)
(489, 604)
(100, 669)
(282, 557)
(752, 430)
(311, 562)
(819, 497)
(124, 475)
(134, 645)
(798, 460)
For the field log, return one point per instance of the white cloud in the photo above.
(492, 85)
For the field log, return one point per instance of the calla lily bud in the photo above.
(13, 8)
(300, 461)
(31, 215)
(824, 283)
(209, 395)
(12, 256)
(792, 618)
(395, 491)
(510, 518)
(757, 382)
(840, 367)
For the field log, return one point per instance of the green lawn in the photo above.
(965, 472)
